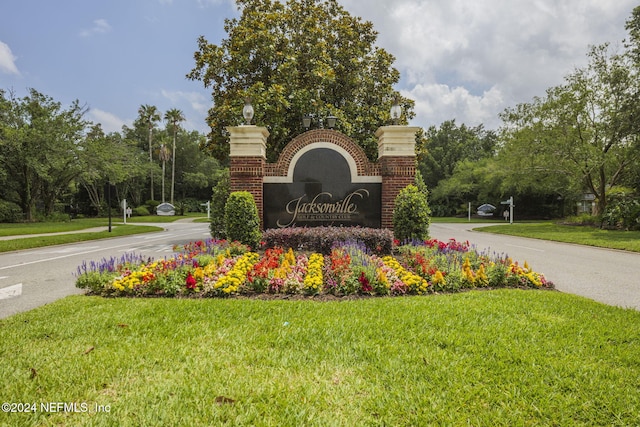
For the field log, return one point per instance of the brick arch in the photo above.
(281, 168)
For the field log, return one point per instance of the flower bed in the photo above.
(215, 268)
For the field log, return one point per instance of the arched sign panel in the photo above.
(322, 188)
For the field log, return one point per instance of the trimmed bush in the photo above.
(241, 219)
(322, 239)
(411, 215)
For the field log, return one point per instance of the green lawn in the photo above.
(160, 218)
(84, 223)
(613, 239)
(481, 358)
(474, 220)
(134, 225)
(41, 241)
(51, 227)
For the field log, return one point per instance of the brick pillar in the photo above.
(247, 158)
(397, 159)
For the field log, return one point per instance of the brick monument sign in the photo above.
(322, 177)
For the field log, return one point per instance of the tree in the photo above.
(450, 144)
(633, 27)
(40, 142)
(294, 58)
(149, 113)
(583, 129)
(173, 117)
(221, 192)
(195, 170)
(164, 157)
(114, 159)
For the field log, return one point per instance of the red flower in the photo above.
(191, 281)
(366, 286)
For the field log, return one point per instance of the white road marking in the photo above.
(106, 248)
(69, 250)
(11, 291)
(168, 235)
(525, 247)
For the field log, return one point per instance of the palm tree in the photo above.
(149, 114)
(174, 116)
(164, 156)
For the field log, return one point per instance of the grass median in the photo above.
(41, 241)
(582, 235)
(507, 357)
(135, 225)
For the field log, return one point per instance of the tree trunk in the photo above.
(173, 165)
(151, 159)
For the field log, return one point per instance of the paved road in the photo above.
(608, 276)
(31, 278)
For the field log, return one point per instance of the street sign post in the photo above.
(509, 202)
(208, 205)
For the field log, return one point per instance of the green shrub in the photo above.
(623, 209)
(218, 201)
(152, 205)
(95, 281)
(584, 219)
(241, 219)
(411, 215)
(140, 211)
(323, 239)
(9, 212)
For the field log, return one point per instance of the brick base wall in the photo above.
(246, 174)
(397, 173)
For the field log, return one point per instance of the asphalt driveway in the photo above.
(605, 275)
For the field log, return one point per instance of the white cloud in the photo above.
(214, 3)
(100, 26)
(441, 102)
(110, 122)
(471, 60)
(7, 60)
(196, 100)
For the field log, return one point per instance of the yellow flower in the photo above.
(438, 278)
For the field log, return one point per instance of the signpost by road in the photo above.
(509, 202)
(208, 205)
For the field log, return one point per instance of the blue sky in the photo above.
(459, 59)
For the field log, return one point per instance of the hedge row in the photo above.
(322, 239)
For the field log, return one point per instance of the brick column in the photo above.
(397, 159)
(247, 158)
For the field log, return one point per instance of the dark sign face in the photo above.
(322, 193)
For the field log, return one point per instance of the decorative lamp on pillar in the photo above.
(331, 121)
(247, 111)
(396, 111)
(306, 121)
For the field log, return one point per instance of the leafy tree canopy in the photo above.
(585, 128)
(292, 59)
(450, 144)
